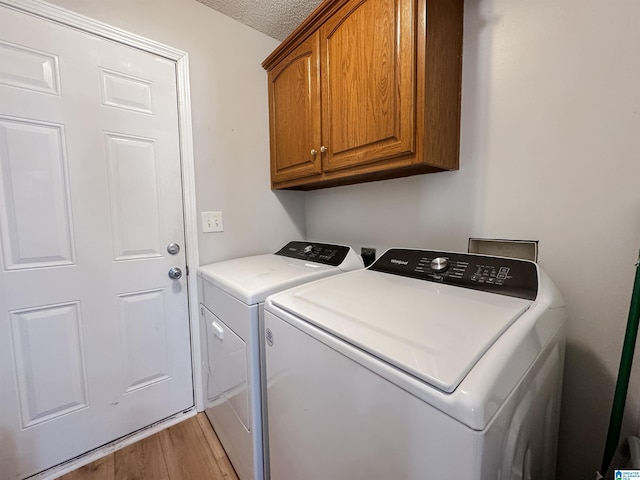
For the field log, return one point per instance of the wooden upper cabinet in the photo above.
(368, 83)
(294, 93)
(365, 90)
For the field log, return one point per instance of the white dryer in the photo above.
(426, 365)
(232, 295)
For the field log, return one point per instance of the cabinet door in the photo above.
(368, 82)
(294, 101)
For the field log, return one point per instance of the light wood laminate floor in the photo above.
(189, 450)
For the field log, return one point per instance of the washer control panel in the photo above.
(324, 253)
(505, 276)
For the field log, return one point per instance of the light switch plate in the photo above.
(212, 222)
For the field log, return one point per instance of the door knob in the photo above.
(173, 248)
(175, 273)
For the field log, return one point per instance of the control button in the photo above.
(439, 264)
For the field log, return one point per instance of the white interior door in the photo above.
(94, 335)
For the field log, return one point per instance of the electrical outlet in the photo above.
(368, 255)
(212, 222)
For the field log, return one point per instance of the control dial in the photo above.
(308, 249)
(440, 264)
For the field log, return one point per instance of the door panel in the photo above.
(27, 68)
(94, 335)
(35, 218)
(53, 385)
(132, 165)
(229, 384)
(126, 92)
(143, 326)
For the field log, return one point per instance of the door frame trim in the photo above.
(80, 22)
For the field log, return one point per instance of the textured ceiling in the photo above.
(276, 18)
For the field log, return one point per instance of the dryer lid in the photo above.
(252, 279)
(434, 332)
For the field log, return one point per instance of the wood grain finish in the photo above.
(143, 459)
(368, 107)
(101, 469)
(228, 473)
(185, 451)
(294, 90)
(440, 58)
(390, 80)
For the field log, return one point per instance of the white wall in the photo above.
(550, 151)
(230, 119)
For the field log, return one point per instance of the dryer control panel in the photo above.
(504, 276)
(324, 253)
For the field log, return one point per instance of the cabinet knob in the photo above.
(323, 149)
(314, 152)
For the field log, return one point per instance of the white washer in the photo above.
(232, 295)
(426, 365)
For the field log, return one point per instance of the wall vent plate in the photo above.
(523, 249)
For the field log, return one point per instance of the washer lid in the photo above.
(252, 279)
(434, 332)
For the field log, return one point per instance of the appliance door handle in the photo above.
(218, 330)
